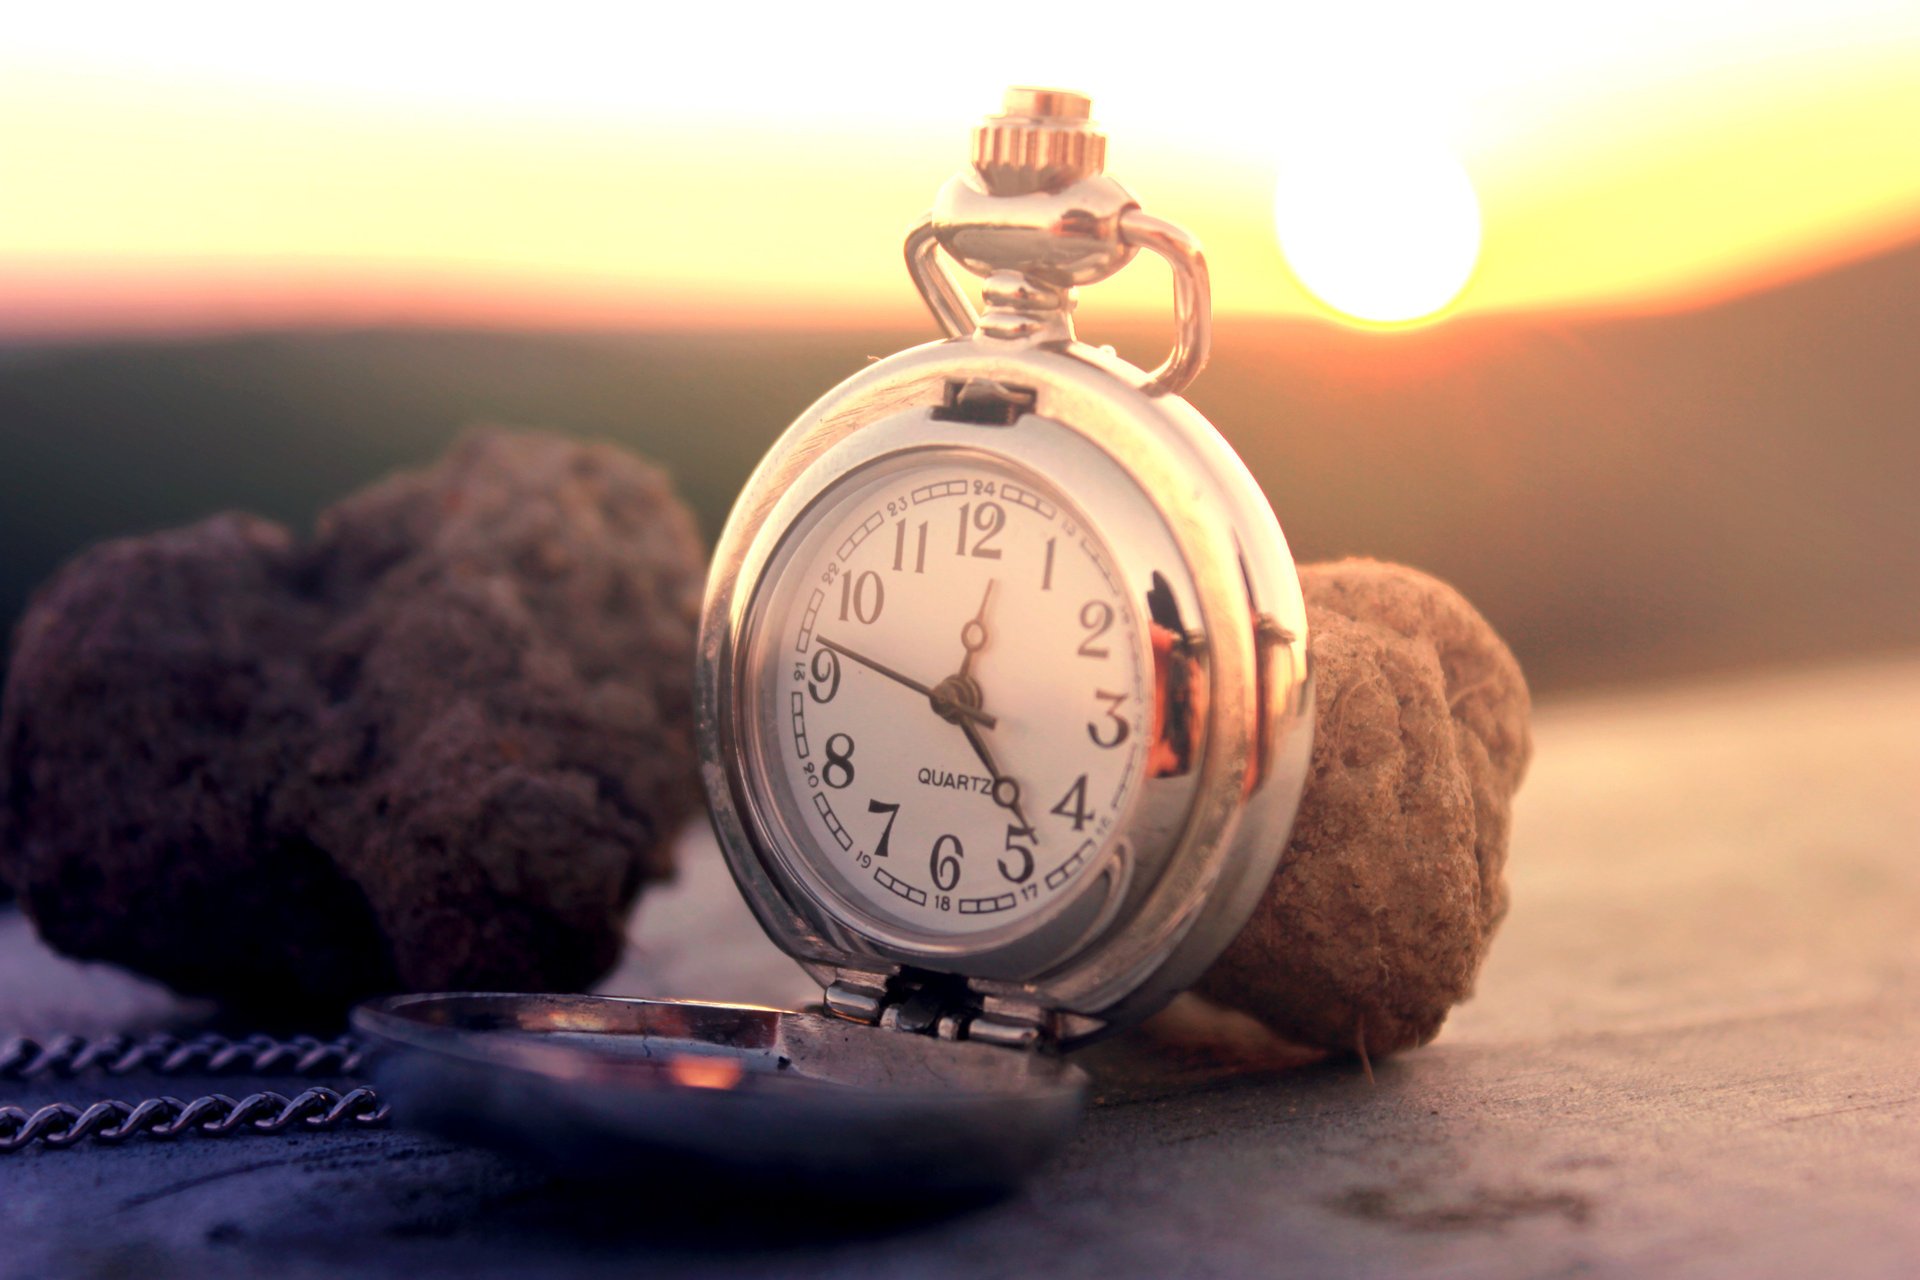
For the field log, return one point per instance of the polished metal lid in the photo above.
(596, 1086)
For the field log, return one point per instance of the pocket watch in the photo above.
(1004, 713)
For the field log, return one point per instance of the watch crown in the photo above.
(1042, 140)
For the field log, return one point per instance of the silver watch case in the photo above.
(660, 1088)
(1186, 870)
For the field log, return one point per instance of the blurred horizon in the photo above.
(1627, 498)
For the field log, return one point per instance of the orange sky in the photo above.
(222, 165)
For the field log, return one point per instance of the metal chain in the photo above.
(60, 1125)
(24, 1059)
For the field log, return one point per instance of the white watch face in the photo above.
(948, 694)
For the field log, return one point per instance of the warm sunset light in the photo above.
(1379, 229)
(215, 164)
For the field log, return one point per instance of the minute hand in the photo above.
(978, 717)
(1006, 792)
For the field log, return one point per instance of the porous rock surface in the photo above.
(1392, 883)
(441, 745)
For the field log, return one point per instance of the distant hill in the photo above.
(1627, 498)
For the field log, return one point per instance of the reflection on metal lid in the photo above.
(701, 1071)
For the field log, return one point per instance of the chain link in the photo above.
(25, 1059)
(60, 1125)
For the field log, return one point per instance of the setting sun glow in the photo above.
(1380, 229)
(218, 164)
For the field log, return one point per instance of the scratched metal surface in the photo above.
(1696, 1049)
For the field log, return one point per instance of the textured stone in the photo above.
(1392, 885)
(442, 745)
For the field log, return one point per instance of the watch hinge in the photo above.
(941, 1005)
(857, 997)
(1011, 1030)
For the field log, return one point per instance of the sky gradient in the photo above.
(228, 166)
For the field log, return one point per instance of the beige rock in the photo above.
(1392, 884)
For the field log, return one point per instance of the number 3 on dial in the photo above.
(1112, 731)
(967, 679)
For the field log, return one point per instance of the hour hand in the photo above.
(967, 713)
(973, 636)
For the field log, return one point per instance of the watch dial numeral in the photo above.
(1120, 727)
(839, 758)
(1073, 805)
(900, 547)
(862, 597)
(986, 519)
(1096, 616)
(1023, 871)
(924, 648)
(826, 675)
(886, 833)
(946, 866)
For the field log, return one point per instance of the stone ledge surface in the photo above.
(1696, 1049)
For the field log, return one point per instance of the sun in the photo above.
(1381, 228)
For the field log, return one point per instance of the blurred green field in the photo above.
(1627, 499)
